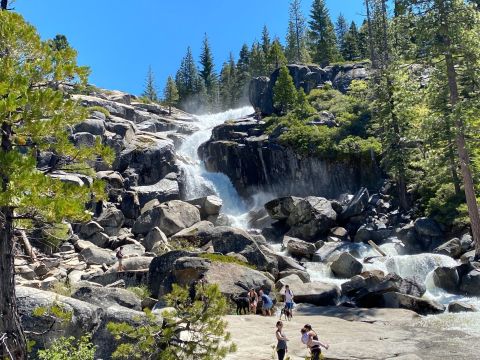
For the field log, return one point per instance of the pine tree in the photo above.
(322, 35)
(207, 73)
(165, 340)
(351, 49)
(257, 61)
(449, 32)
(170, 94)
(243, 74)
(341, 30)
(296, 49)
(59, 42)
(35, 117)
(266, 42)
(150, 91)
(276, 57)
(229, 90)
(363, 41)
(189, 83)
(284, 92)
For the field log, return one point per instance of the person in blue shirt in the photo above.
(267, 304)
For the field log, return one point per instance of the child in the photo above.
(308, 340)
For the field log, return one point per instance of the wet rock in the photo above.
(419, 305)
(345, 266)
(303, 275)
(209, 205)
(280, 209)
(459, 306)
(452, 248)
(339, 233)
(427, 227)
(357, 205)
(470, 283)
(446, 278)
(412, 286)
(299, 248)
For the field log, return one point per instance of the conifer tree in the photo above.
(150, 91)
(341, 30)
(243, 73)
(296, 50)
(363, 41)
(284, 92)
(257, 61)
(207, 73)
(229, 90)
(35, 117)
(170, 94)
(59, 42)
(449, 32)
(322, 37)
(276, 57)
(189, 84)
(351, 48)
(266, 41)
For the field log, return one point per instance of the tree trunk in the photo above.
(4, 4)
(370, 36)
(452, 163)
(14, 346)
(463, 156)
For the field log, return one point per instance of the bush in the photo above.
(69, 348)
(104, 111)
(141, 291)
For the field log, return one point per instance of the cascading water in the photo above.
(198, 181)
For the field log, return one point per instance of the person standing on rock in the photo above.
(281, 341)
(267, 304)
(120, 256)
(288, 301)
(253, 301)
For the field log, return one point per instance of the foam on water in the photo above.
(200, 182)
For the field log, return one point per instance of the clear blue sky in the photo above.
(119, 39)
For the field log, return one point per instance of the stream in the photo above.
(200, 182)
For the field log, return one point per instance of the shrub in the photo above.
(101, 109)
(141, 291)
(226, 259)
(65, 348)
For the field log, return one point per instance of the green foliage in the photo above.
(226, 259)
(150, 91)
(69, 348)
(284, 91)
(141, 291)
(296, 49)
(192, 330)
(276, 57)
(170, 94)
(101, 109)
(322, 37)
(62, 288)
(36, 116)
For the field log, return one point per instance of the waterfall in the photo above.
(198, 181)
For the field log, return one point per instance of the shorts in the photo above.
(267, 306)
(289, 305)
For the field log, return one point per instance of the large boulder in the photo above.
(209, 205)
(151, 156)
(94, 255)
(446, 278)
(236, 279)
(170, 217)
(470, 284)
(452, 248)
(188, 269)
(419, 305)
(316, 293)
(108, 296)
(357, 205)
(86, 318)
(111, 219)
(155, 239)
(345, 266)
(280, 209)
(165, 190)
(132, 264)
(92, 126)
(194, 235)
(460, 306)
(299, 248)
(227, 239)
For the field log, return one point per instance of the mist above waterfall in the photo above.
(198, 182)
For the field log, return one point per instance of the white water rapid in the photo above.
(199, 182)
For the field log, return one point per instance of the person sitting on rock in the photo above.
(267, 304)
(120, 256)
(253, 301)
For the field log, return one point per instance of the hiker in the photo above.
(281, 341)
(288, 299)
(310, 338)
(120, 256)
(253, 301)
(267, 304)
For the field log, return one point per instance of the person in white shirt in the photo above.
(288, 298)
